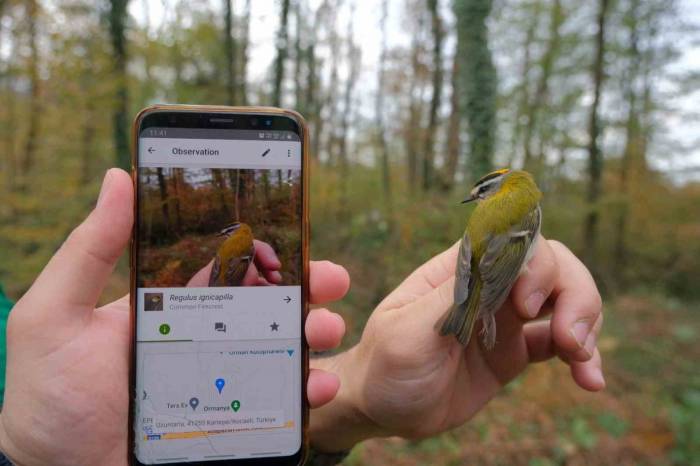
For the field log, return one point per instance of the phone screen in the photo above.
(219, 299)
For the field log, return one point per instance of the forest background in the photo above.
(182, 212)
(408, 102)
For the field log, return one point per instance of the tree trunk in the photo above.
(29, 158)
(595, 159)
(331, 99)
(383, 149)
(525, 108)
(282, 45)
(242, 60)
(415, 110)
(230, 51)
(299, 103)
(314, 102)
(219, 185)
(477, 83)
(354, 65)
(428, 153)
(538, 106)
(117, 28)
(178, 186)
(234, 179)
(163, 189)
(453, 129)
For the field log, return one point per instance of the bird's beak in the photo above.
(469, 199)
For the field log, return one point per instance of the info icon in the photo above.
(153, 301)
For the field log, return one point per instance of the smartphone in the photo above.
(219, 286)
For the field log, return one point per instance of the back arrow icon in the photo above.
(287, 299)
(151, 150)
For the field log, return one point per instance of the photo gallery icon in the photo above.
(153, 301)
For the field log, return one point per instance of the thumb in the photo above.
(72, 281)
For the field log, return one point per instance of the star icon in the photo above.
(274, 326)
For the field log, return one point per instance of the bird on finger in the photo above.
(234, 255)
(499, 240)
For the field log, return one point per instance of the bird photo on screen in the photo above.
(234, 255)
(499, 240)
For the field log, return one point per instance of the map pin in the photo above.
(220, 384)
(235, 405)
(194, 402)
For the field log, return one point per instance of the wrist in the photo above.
(341, 424)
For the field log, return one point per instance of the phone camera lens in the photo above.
(268, 122)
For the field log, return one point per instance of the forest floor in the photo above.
(649, 413)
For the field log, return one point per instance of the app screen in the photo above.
(218, 295)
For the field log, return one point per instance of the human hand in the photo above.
(263, 271)
(404, 379)
(66, 399)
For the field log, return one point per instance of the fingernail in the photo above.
(580, 332)
(105, 186)
(533, 303)
(589, 346)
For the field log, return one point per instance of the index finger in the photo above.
(577, 304)
(266, 256)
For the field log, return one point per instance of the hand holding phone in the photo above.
(67, 395)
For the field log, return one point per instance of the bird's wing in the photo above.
(238, 266)
(460, 318)
(503, 260)
(215, 269)
(463, 270)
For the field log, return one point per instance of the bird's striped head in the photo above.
(488, 185)
(228, 230)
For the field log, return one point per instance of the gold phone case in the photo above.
(304, 247)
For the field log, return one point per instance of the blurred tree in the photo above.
(242, 59)
(454, 124)
(380, 128)
(437, 38)
(354, 62)
(414, 129)
(282, 43)
(523, 127)
(477, 82)
(231, 54)
(539, 104)
(117, 28)
(164, 201)
(595, 158)
(29, 156)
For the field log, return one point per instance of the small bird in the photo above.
(234, 256)
(499, 240)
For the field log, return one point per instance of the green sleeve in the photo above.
(5, 306)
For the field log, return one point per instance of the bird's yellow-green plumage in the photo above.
(234, 256)
(497, 214)
(500, 236)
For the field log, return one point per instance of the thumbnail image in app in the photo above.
(153, 301)
(218, 227)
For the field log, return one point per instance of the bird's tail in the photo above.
(461, 318)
